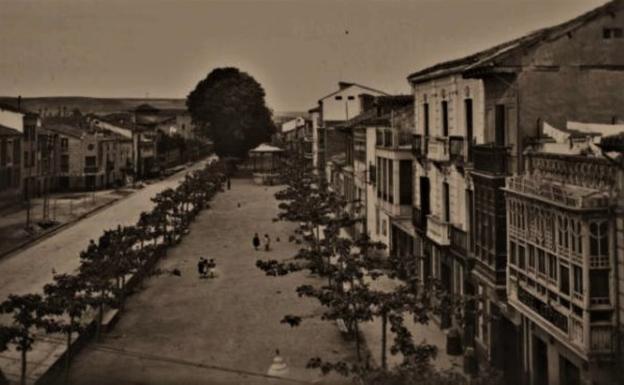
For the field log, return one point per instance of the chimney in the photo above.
(19, 103)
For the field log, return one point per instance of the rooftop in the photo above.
(8, 131)
(490, 56)
(66, 129)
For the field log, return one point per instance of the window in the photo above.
(578, 279)
(351, 97)
(564, 279)
(512, 253)
(599, 283)
(552, 267)
(26, 159)
(469, 119)
(599, 239)
(90, 161)
(384, 230)
(3, 152)
(531, 257)
(64, 163)
(563, 232)
(500, 125)
(521, 258)
(338, 98)
(445, 122)
(576, 237)
(64, 143)
(390, 181)
(377, 225)
(612, 33)
(426, 118)
(447, 202)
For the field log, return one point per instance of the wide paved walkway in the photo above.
(27, 271)
(186, 330)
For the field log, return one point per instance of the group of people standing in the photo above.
(256, 242)
(206, 267)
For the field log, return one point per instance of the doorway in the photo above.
(540, 362)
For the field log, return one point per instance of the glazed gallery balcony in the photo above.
(394, 139)
(570, 329)
(490, 158)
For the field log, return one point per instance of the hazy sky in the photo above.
(296, 49)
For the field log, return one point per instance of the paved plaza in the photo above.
(187, 330)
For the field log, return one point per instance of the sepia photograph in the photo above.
(328, 192)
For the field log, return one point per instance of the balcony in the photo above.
(567, 327)
(438, 230)
(490, 158)
(438, 149)
(394, 139)
(395, 210)
(601, 339)
(419, 220)
(575, 197)
(459, 241)
(456, 149)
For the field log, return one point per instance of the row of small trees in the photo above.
(349, 267)
(122, 255)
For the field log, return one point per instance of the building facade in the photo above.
(563, 264)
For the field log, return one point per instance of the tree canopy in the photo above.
(229, 107)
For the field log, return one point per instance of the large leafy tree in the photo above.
(229, 107)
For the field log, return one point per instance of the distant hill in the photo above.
(53, 104)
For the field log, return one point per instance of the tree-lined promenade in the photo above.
(188, 330)
(67, 304)
(348, 266)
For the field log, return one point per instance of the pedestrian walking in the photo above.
(256, 241)
(201, 267)
(267, 242)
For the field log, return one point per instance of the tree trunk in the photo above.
(98, 326)
(23, 374)
(68, 353)
(356, 330)
(384, 323)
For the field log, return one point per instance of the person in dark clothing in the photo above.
(229, 183)
(256, 241)
(201, 267)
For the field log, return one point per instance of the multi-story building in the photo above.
(28, 125)
(10, 165)
(563, 260)
(448, 115)
(295, 136)
(483, 108)
(332, 109)
(90, 159)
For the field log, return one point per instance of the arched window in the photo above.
(599, 239)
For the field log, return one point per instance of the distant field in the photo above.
(54, 104)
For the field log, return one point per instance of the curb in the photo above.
(31, 242)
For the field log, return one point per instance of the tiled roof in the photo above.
(343, 85)
(488, 57)
(8, 131)
(66, 129)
